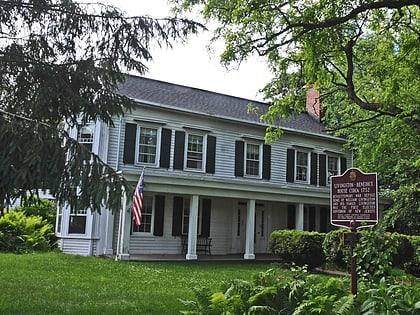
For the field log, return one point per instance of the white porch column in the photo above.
(125, 225)
(250, 226)
(300, 212)
(192, 229)
(107, 235)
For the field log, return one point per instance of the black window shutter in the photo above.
(322, 170)
(312, 218)
(205, 220)
(211, 155)
(290, 170)
(239, 158)
(159, 213)
(314, 168)
(323, 219)
(129, 143)
(177, 216)
(179, 150)
(165, 147)
(266, 161)
(343, 165)
(291, 217)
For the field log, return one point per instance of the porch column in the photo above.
(107, 235)
(300, 213)
(123, 252)
(250, 226)
(192, 229)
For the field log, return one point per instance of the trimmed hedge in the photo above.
(299, 247)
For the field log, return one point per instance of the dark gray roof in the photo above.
(207, 102)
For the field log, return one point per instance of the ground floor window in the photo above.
(146, 216)
(186, 217)
(77, 222)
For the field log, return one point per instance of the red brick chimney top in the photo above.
(312, 103)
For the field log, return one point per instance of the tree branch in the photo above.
(353, 123)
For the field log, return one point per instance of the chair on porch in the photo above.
(203, 244)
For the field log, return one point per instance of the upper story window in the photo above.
(146, 216)
(147, 143)
(147, 147)
(332, 166)
(253, 159)
(85, 135)
(195, 152)
(302, 166)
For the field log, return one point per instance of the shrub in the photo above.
(271, 293)
(299, 247)
(413, 266)
(374, 254)
(39, 207)
(334, 250)
(390, 297)
(22, 234)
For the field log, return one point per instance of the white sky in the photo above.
(191, 64)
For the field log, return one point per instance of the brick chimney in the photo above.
(313, 106)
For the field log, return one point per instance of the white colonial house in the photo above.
(209, 175)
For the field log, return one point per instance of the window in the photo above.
(148, 141)
(146, 216)
(77, 222)
(333, 167)
(186, 217)
(195, 154)
(252, 159)
(302, 162)
(59, 219)
(85, 135)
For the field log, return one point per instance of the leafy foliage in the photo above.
(44, 208)
(363, 57)
(334, 250)
(299, 247)
(269, 293)
(374, 254)
(387, 297)
(25, 234)
(61, 63)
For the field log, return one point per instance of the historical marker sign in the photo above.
(354, 197)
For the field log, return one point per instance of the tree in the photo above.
(364, 58)
(60, 66)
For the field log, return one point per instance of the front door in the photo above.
(261, 237)
(238, 229)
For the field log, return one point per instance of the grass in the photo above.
(54, 283)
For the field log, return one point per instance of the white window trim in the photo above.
(158, 144)
(308, 166)
(152, 222)
(338, 157)
(204, 160)
(260, 155)
(200, 213)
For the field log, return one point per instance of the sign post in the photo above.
(354, 205)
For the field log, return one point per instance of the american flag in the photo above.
(138, 200)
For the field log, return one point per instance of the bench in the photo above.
(203, 244)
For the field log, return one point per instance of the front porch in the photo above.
(264, 258)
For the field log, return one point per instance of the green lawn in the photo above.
(54, 283)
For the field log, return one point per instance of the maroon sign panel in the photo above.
(354, 198)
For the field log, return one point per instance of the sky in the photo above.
(192, 65)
